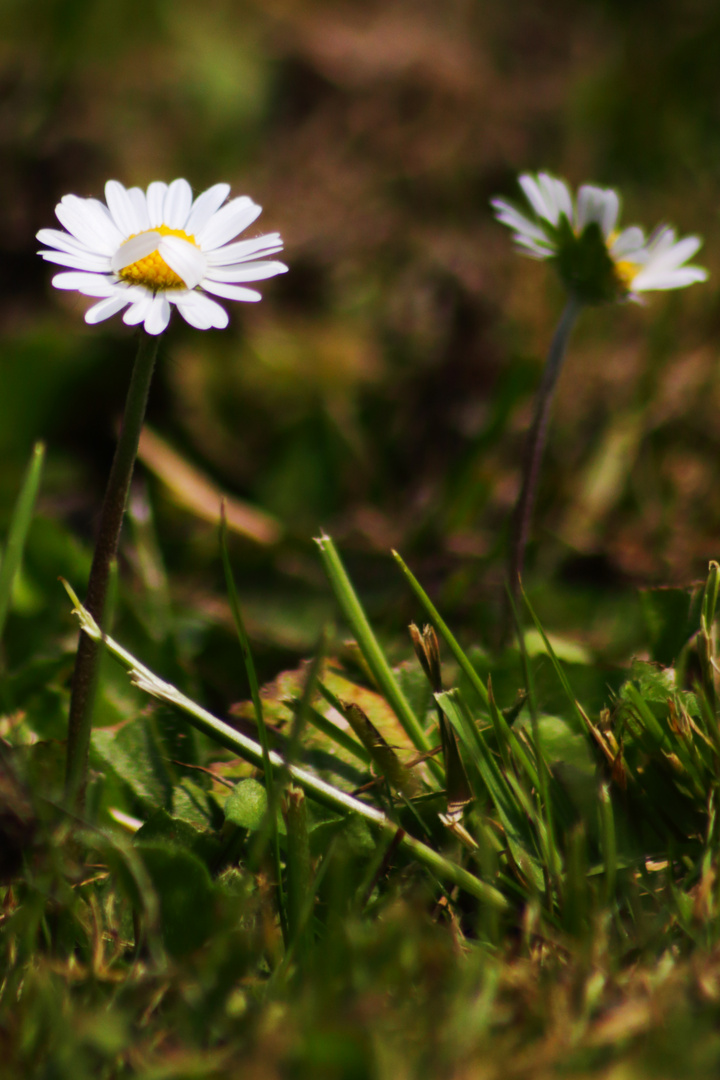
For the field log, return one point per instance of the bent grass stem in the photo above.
(106, 544)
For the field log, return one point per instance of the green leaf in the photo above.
(570, 652)
(132, 753)
(671, 617)
(246, 805)
(163, 828)
(194, 805)
(185, 893)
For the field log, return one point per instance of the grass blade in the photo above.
(19, 525)
(444, 631)
(368, 643)
(501, 793)
(556, 665)
(259, 717)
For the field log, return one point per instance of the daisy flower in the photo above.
(596, 260)
(146, 252)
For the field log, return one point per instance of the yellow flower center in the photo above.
(627, 272)
(153, 271)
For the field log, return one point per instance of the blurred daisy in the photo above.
(147, 251)
(595, 260)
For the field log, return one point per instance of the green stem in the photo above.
(536, 440)
(272, 791)
(111, 519)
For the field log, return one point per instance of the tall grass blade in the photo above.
(564, 682)
(457, 785)
(19, 525)
(368, 643)
(259, 717)
(496, 783)
(304, 703)
(608, 842)
(444, 631)
(298, 868)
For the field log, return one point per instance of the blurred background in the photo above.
(383, 387)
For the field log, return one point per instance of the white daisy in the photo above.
(595, 259)
(145, 251)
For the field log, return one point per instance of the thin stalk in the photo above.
(272, 792)
(535, 444)
(106, 544)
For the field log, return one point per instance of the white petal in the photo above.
(228, 222)
(159, 315)
(139, 247)
(678, 254)
(88, 284)
(547, 187)
(535, 196)
(120, 205)
(563, 198)
(205, 206)
(140, 208)
(650, 278)
(104, 309)
(610, 212)
(90, 223)
(269, 244)
(590, 205)
(156, 202)
(629, 240)
(660, 240)
(139, 311)
(201, 312)
(231, 292)
(63, 241)
(86, 261)
(508, 215)
(184, 258)
(249, 271)
(178, 201)
(533, 248)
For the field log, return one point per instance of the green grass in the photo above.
(281, 894)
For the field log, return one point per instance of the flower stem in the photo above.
(111, 519)
(535, 444)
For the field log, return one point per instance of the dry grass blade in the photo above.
(194, 491)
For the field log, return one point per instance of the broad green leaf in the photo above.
(671, 616)
(132, 753)
(186, 895)
(163, 828)
(570, 652)
(195, 805)
(246, 806)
